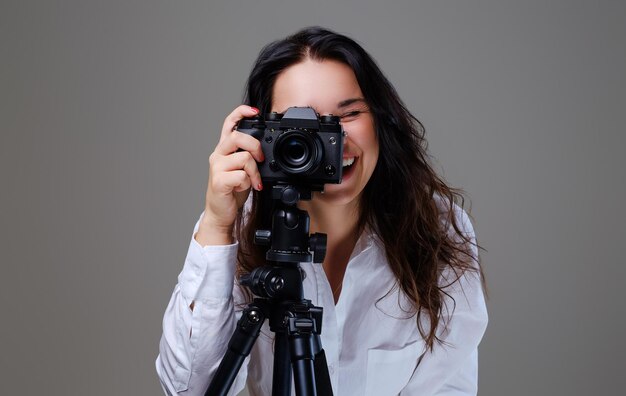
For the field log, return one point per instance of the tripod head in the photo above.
(289, 244)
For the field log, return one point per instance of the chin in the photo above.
(336, 194)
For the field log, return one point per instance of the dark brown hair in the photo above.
(405, 203)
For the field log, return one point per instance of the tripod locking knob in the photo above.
(277, 283)
(254, 316)
(317, 244)
(263, 237)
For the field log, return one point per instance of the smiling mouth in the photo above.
(348, 162)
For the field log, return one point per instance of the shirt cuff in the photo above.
(209, 271)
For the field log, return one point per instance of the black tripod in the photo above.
(296, 322)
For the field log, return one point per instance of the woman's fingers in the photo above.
(236, 140)
(233, 118)
(232, 140)
(236, 181)
(241, 160)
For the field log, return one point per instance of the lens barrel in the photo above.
(298, 152)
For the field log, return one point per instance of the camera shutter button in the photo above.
(274, 116)
(329, 119)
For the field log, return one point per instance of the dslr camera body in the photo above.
(300, 147)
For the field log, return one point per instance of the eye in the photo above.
(350, 115)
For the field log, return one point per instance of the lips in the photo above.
(348, 167)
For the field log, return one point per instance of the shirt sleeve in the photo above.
(451, 368)
(194, 341)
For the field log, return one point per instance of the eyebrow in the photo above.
(348, 102)
(343, 104)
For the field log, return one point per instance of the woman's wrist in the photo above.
(210, 234)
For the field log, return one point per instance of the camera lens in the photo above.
(297, 152)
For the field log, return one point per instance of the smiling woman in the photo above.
(401, 286)
(330, 87)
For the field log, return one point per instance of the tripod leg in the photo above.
(322, 377)
(301, 351)
(281, 384)
(239, 347)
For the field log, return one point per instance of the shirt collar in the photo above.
(365, 242)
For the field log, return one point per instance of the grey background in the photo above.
(109, 110)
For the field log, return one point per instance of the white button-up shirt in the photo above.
(372, 343)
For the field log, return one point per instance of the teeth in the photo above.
(347, 162)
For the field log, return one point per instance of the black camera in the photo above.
(300, 147)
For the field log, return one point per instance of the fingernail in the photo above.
(254, 109)
(259, 187)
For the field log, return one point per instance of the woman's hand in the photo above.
(232, 172)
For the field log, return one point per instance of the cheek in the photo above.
(374, 155)
(362, 134)
(372, 148)
(369, 144)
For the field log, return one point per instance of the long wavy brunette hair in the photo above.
(421, 233)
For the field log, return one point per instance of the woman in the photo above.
(400, 285)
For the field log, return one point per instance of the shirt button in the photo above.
(331, 369)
